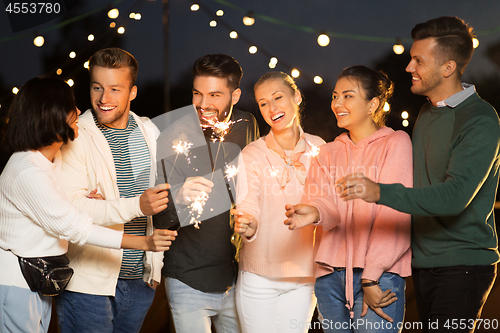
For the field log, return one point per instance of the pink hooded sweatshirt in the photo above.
(357, 234)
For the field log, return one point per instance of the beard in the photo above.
(427, 85)
(221, 115)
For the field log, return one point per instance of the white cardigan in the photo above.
(88, 164)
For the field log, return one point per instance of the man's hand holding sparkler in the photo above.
(192, 189)
(358, 186)
(300, 215)
(244, 224)
(154, 199)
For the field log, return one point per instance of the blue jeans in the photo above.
(334, 315)
(125, 312)
(193, 311)
(452, 298)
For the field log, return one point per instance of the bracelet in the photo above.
(369, 284)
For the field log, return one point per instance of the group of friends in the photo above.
(339, 225)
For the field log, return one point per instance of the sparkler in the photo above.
(182, 147)
(314, 153)
(196, 209)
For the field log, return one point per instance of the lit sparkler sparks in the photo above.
(196, 209)
(231, 171)
(314, 150)
(182, 147)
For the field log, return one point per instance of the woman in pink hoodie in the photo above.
(275, 288)
(364, 253)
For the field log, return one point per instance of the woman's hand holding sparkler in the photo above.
(193, 188)
(299, 216)
(154, 199)
(244, 224)
(159, 241)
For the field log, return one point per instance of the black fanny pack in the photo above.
(46, 275)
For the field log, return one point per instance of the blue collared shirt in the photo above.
(454, 100)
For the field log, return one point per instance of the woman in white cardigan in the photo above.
(36, 218)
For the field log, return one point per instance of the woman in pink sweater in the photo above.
(364, 253)
(275, 288)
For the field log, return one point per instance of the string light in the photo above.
(387, 107)
(113, 13)
(213, 23)
(248, 20)
(273, 62)
(252, 49)
(86, 64)
(72, 54)
(121, 30)
(137, 16)
(112, 25)
(15, 90)
(70, 82)
(195, 7)
(59, 71)
(131, 15)
(220, 12)
(295, 73)
(318, 79)
(475, 42)
(406, 123)
(398, 48)
(38, 41)
(90, 38)
(323, 40)
(233, 34)
(404, 114)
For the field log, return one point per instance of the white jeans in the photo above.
(267, 304)
(194, 311)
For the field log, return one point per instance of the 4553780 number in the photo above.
(33, 8)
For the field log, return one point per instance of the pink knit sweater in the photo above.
(273, 250)
(356, 233)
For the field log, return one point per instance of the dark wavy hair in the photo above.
(453, 37)
(38, 115)
(374, 84)
(219, 65)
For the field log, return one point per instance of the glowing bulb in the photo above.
(387, 107)
(72, 54)
(121, 30)
(131, 15)
(220, 12)
(475, 42)
(233, 34)
(213, 23)
(195, 7)
(38, 41)
(112, 25)
(273, 60)
(59, 71)
(15, 90)
(295, 73)
(398, 48)
(90, 38)
(137, 17)
(252, 49)
(318, 79)
(323, 40)
(113, 13)
(70, 82)
(404, 114)
(248, 20)
(272, 65)
(406, 123)
(86, 64)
